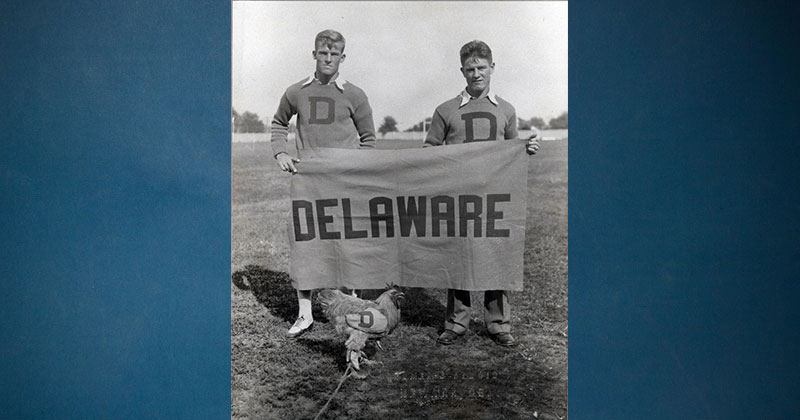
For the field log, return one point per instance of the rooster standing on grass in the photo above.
(361, 320)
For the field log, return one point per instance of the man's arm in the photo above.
(436, 134)
(365, 126)
(279, 130)
(511, 126)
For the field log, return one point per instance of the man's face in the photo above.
(328, 57)
(478, 73)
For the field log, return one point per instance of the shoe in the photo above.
(448, 337)
(504, 339)
(300, 326)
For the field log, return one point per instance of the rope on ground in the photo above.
(324, 407)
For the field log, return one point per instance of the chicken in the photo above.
(361, 320)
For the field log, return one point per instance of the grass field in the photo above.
(273, 377)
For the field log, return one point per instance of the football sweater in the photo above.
(464, 120)
(336, 115)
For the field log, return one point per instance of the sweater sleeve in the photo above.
(362, 118)
(279, 128)
(436, 134)
(511, 126)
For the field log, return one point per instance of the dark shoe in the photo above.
(504, 339)
(300, 326)
(448, 337)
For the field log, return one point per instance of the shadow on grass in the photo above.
(333, 349)
(273, 289)
(420, 309)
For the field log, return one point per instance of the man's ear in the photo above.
(314, 54)
(341, 60)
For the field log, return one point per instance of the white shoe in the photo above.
(300, 326)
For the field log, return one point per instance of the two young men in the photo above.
(337, 114)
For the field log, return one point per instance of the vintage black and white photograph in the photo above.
(375, 273)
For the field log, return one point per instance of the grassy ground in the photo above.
(273, 377)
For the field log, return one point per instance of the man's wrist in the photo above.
(276, 154)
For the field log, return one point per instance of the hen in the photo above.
(361, 320)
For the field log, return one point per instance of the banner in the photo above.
(440, 217)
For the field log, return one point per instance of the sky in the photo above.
(404, 55)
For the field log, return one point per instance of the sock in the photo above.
(304, 301)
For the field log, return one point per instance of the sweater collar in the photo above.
(465, 98)
(334, 80)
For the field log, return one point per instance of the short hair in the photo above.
(475, 49)
(329, 37)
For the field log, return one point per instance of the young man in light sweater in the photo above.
(476, 114)
(331, 112)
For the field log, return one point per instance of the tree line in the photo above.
(249, 122)
(561, 122)
(557, 123)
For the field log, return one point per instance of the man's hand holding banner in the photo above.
(440, 217)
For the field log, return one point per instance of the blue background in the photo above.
(115, 174)
(683, 210)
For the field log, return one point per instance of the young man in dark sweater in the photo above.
(331, 112)
(476, 114)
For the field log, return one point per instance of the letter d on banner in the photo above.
(299, 236)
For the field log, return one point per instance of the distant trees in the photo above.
(389, 125)
(420, 126)
(559, 122)
(248, 122)
(538, 123)
(529, 124)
